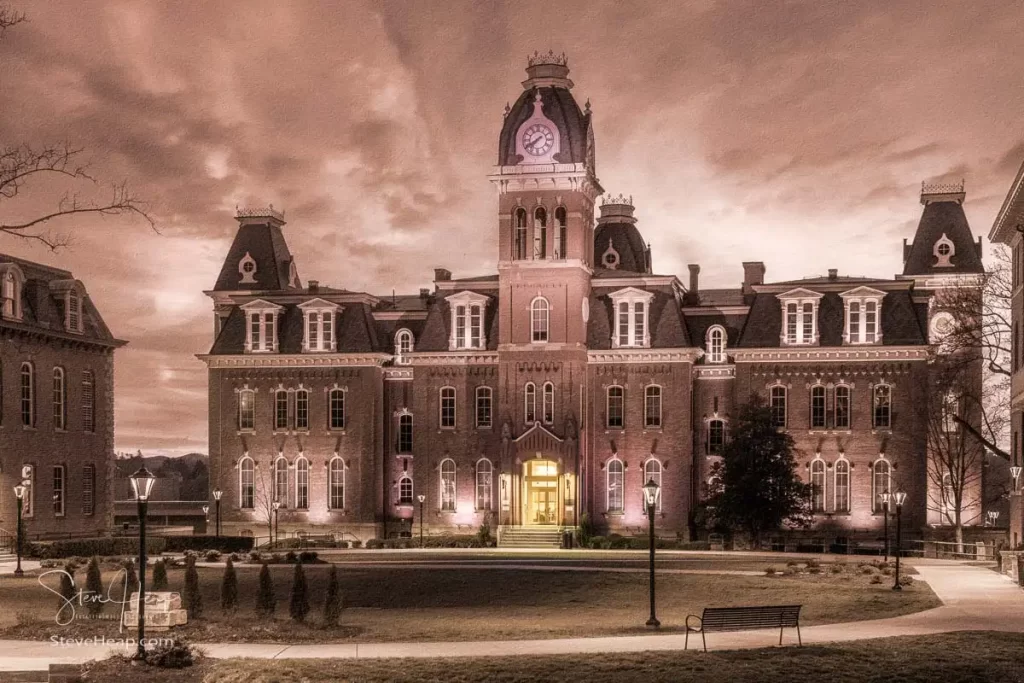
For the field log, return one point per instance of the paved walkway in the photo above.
(974, 598)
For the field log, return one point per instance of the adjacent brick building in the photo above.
(56, 403)
(562, 383)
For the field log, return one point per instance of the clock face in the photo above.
(538, 139)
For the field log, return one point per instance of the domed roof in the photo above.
(618, 244)
(549, 77)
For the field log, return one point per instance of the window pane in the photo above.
(652, 407)
(405, 434)
(483, 485)
(818, 486)
(337, 409)
(778, 405)
(615, 493)
(448, 407)
(476, 327)
(88, 489)
(58, 490)
(281, 410)
(549, 403)
(530, 403)
(842, 407)
(615, 406)
(405, 491)
(483, 407)
(842, 486)
(716, 437)
(623, 324)
(639, 323)
(817, 407)
(302, 483)
(882, 413)
(791, 323)
(302, 410)
(337, 484)
(448, 485)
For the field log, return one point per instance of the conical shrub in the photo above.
(160, 575)
(229, 587)
(192, 598)
(266, 601)
(131, 579)
(333, 603)
(94, 588)
(300, 599)
(68, 593)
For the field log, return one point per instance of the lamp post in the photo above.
(1015, 473)
(651, 494)
(206, 519)
(217, 493)
(992, 515)
(886, 496)
(142, 485)
(899, 497)
(421, 498)
(273, 540)
(19, 493)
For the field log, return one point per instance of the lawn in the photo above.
(967, 657)
(472, 603)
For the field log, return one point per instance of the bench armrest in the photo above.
(699, 621)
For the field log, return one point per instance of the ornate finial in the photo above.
(586, 107)
(507, 109)
(549, 58)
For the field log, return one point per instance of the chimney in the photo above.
(833, 274)
(424, 293)
(442, 274)
(753, 274)
(314, 286)
(694, 273)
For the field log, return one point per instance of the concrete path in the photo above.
(974, 598)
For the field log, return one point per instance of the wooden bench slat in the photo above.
(747, 618)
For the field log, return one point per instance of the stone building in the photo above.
(562, 382)
(56, 403)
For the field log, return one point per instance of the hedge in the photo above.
(225, 544)
(442, 541)
(87, 547)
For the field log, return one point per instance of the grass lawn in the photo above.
(968, 657)
(408, 604)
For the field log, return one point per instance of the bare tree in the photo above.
(24, 163)
(263, 498)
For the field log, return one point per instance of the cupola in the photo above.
(618, 244)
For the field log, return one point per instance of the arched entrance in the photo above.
(541, 503)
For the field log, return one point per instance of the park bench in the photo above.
(744, 619)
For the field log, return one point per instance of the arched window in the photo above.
(246, 484)
(881, 481)
(652, 471)
(483, 407)
(778, 405)
(842, 407)
(28, 395)
(281, 481)
(716, 436)
(403, 346)
(88, 401)
(337, 408)
(246, 410)
(59, 480)
(405, 491)
(615, 399)
(882, 413)
(519, 246)
(652, 406)
(447, 407)
(818, 485)
(817, 417)
(716, 344)
(405, 433)
(950, 411)
(484, 471)
(540, 233)
(548, 414)
(302, 483)
(448, 485)
(540, 318)
(561, 224)
(302, 410)
(841, 485)
(60, 416)
(615, 477)
(336, 483)
(280, 410)
(530, 403)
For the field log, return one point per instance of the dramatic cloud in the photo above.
(794, 133)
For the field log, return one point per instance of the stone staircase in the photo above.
(531, 537)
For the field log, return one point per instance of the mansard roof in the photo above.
(942, 218)
(665, 319)
(354, 330)
(559, 106)
(265, 244)
(437, 327)
(627, 243)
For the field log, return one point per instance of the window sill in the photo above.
(446, 429)
(246, 431)
(403, 455)
(614, 429)
(654, 430)
(614, 513)
(487, 427)
(28, 428)
(881, 430)
(404, 506)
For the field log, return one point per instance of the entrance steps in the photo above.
(531, 537)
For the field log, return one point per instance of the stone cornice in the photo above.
(643, 356)
(453, 358)
(1010, 213)
(398, 374)
(294, 360)
(818, 354)
(714, 371)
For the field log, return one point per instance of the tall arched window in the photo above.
(302, 410)
(540, 233)
(448, 485)
(484, 405)
(817, 417)
(281, 481)
(716, 436)
(246, 484)
(336, 483)
(841, 485)
(246, 410)
(882, 413)
(818, 485)
(446, 406)
(519, 245)
(484, 471)
(301, 483)
(615, 482)
(405, 433)
(540, 318)
(403, 346)
(561, 224)
(778, 405)
(337, 408)
(280, 410)
(716, 344)
(881, 481)
(652, 471)
(60, 415)
(405, 491)
(615, 399)
(28, 395)
(548, 413)
(530, 403)
(842, 407)
(652, 406)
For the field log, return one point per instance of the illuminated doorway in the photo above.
(541, 501)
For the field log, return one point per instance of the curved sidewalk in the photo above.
(974, 598)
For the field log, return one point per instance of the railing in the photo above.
(951, 550)
(7, 540)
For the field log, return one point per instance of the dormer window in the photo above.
(943, 251)
(261, 326)
(247, 270)
(716, 344)
(73, 319)
(403, 346)
(11, 281)
(632, 314)
(863, 312)
(319, 325)
(467, 330)
(800, 317)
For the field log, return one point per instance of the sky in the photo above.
(794, 133)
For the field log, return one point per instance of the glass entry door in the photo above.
(541, 492)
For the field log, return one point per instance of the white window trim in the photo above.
(862, 296)
(60, 401)
(875, 493)
(785, 392)
(608, 403)
(239, 392)
(548, 390)
(661, 478)
(835, 485)
(330, 408)
(312, 314)
(489, 486)
(849, 407)
(481, 391)
(810, 406)
(468, 299)
(63, 499)
(721, 356)
(455, 486)
(13, 310)
(707, 436)
(546, 321)
(280, 493)
(528, 398)
(331, 482)
(412, 490)
(262, 308)
(661, 409)
(873, 388)
(440, 408)
(824, 476)
(800, 296)
(940, 260)
(608, 487)
(400, 356)
(299, 461)
(631, 296)
(241, 483)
